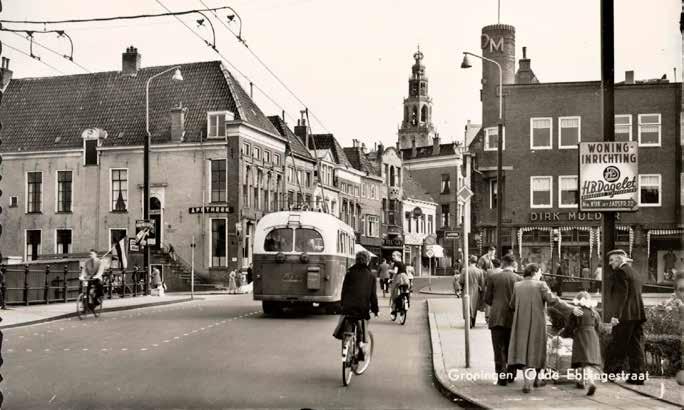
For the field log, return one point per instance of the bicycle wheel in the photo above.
(403, 316)
(97, 309)
(347, 358)
(362, 366)
(80, 307)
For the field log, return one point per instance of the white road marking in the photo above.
(166, 341)
(176, 337)
(123, 349)
(10, 350)
(104, 349)
(67, 349)
(155, 345)
(46, 350)
(85, 349)
(143, 349)
(29, 350)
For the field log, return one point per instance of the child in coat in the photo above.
(586, 348)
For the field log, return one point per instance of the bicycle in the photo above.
(82, 306)
(401, 305)
(352, 360)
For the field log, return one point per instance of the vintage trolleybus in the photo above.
(300, 258)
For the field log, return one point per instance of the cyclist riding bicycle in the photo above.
(358, 297)
(400, 284)
(92, 272)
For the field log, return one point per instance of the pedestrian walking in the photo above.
(475, 278)
(527, 348)
(586, 348)
(487, 274)
(232, 285)
(627, 317)
(250, 273)
(498, 294)
(383, 273)
(485, 261)
(157, 282)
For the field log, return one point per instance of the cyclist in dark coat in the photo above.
(358, 294)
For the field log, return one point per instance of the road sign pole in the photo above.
(466, 296)
(192, 268)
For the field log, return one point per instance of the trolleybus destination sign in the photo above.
(608, 176)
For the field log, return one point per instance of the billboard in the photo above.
(608, 176)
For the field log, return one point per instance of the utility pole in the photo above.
(466, 231)
(192, 268)
(608, 111)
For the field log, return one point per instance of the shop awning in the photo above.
(358, 248)
(434, 251)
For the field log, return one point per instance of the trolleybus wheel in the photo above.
(270, 308)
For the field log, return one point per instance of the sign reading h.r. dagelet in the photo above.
(609, 175)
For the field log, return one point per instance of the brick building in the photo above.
(73, 171)
(419, 221)
(544, 122)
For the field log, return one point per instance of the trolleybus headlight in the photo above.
(280, 257)
(304, 258)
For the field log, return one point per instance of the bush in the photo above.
(663, 354)
(661, 320)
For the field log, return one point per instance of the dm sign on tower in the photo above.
(609, 175)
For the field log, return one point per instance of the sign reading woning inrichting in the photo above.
(608, 176)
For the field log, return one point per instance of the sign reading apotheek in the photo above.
(609, 173)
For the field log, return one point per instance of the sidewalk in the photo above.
(476, 384)
(16, 316)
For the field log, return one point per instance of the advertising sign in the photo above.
(608, 176)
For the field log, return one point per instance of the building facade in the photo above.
(419, 220)
(544, 122)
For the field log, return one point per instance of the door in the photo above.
(156, 217)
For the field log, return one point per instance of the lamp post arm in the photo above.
(147, 96)
(500, 79)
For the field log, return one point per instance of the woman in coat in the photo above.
(475, 287)
(527, 348)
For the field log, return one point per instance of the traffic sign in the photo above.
(464, 194)
(429, 252)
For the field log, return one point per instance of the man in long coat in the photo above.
(628, 319)
(498, 294)
(476, 284)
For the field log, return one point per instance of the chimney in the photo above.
(178, 123)
(355, 143)
(414, 150)
(525, 75)
(5, 73)
(301, 131)
(381, 149)
(435, 145)
(363, 148)
(629, 77)
(130, 62)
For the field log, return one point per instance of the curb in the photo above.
(641, 393)
(440, 375)
(111, 309)
(433, 292)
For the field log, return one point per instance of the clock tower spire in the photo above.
(416, 127)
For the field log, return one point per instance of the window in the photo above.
(569, 132)
(245, 187)
(649, 190)
(267, 157)
(391, 176)
(119, 190)
(279, 240)
(64, 191)
(446, 184)
(493, 193)
(13, 202)
(649, 130)
(33, 237)
(409, 221)
(372, 226)
(308, 240)
(567, 191)
(90, 152)
(34, 191)
(374, 194)
(218, 180)
(256, 152)
(216, 123)
(300, 177)
(540, 133)
(431, 225)
(356, 191)
(218, 242)
(290, 199)
(540, 192)
(491, 139)
(63, 241)
(276, 159)
(623, 128)
(445, 215)
(290, 175)
(244, 149)
(308, 179)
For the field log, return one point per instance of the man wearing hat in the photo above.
(628, 317)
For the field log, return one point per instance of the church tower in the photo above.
(416, 127)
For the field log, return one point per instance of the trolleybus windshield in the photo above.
(279, 240)
(304, 240)
(308, 240)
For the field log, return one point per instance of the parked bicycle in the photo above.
(401, 305)
(87, 301)
(354, 359)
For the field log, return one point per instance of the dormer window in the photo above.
(216, 123)
(92, 138)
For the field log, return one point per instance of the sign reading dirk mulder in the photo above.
(211, 210)
(609, 174)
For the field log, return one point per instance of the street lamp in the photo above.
(499, 148)
(146, 159)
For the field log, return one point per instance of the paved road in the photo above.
(220, 352)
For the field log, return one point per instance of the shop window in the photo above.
(649, 130)
(621, 236)
(541, 195)
(540, 133)
(492, 138)
(567, 191)
(649, 187)
(569, 132)
(623, 128)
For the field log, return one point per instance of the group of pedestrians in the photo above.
(394, 277)
(238, 282)
(515, 308)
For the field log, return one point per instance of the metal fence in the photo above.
(26, 285)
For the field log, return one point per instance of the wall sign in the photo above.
(492, 44)
(396, 243)
(565, 216)
(211, 210)
(608, 176)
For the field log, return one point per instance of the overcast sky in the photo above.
(349, 60)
